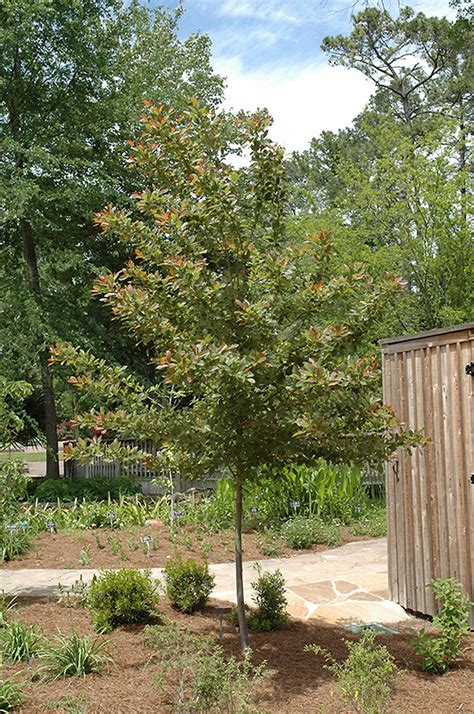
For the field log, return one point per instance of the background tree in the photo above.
(72, 79)
(255, 365)
(394, 184)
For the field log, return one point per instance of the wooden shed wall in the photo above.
(430, 497)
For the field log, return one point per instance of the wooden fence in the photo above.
(150, 481)
(429, 381)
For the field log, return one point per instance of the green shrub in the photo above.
(269, 597)
(188, 584)
(92, 489)
(366, 678)
(197, 677)
(372, 522)
(19, 642)
(75, 656)
(439, 651)
(122, 597)
(301, 532)
(11, 695)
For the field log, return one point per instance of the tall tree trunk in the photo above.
(50, 418)
(239, 578)
(31, 261)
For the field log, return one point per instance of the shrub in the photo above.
(122, 597)
(75, 656)
(269, 597)
(439, 651)
(301, 532)
(188, 584)
(197, 677)
(366, 677)
(13, 484)
(11, 695)
(92, 489)
(19, 642)
(372, 522)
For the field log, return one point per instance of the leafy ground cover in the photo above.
(298, 682)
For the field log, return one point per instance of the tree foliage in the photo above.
(73, 76)
(257, 345)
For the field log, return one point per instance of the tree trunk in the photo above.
(31, 261)
(239, 578)
(49, 405)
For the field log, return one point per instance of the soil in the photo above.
(299, 683)
(109, 548)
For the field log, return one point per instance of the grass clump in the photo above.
(365, 679)
(11, 695)
(19, 642)
(122, 597)
(440, 651)
(188, 584)
(75, 656)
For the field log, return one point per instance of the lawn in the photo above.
(30, 456)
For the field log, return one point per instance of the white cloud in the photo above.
(303, 100)
(270, 10)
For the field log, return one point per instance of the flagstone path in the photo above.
(343, 584)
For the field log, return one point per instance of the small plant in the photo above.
(270, 544)
(440, 651)
(197, 677)
(75, 596)
(122, 597)
(372, 522)
(19, 642)
(85, 556)
(206, 547)
(270, 600)
(6, 607)
(98, 541)
(188, 584)
(366, 677)
(301, 532)
(75, 656)
(132, 544)
(11, 695)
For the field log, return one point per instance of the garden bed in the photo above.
(116, 548)
(299, 683)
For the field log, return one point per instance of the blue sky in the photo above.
(269, 52)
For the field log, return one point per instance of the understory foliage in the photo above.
(122, 597)
(188, 584)
(365, 679)
(198, 677)
(440, 650)
(258, 346)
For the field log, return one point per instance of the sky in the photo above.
(269, 52)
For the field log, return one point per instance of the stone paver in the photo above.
(346, 583)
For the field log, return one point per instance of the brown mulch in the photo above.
(299, 683)
(114, 548)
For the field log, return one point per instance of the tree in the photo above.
(11, 418)
(72, 76)
(395, 182)
(254, 364)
